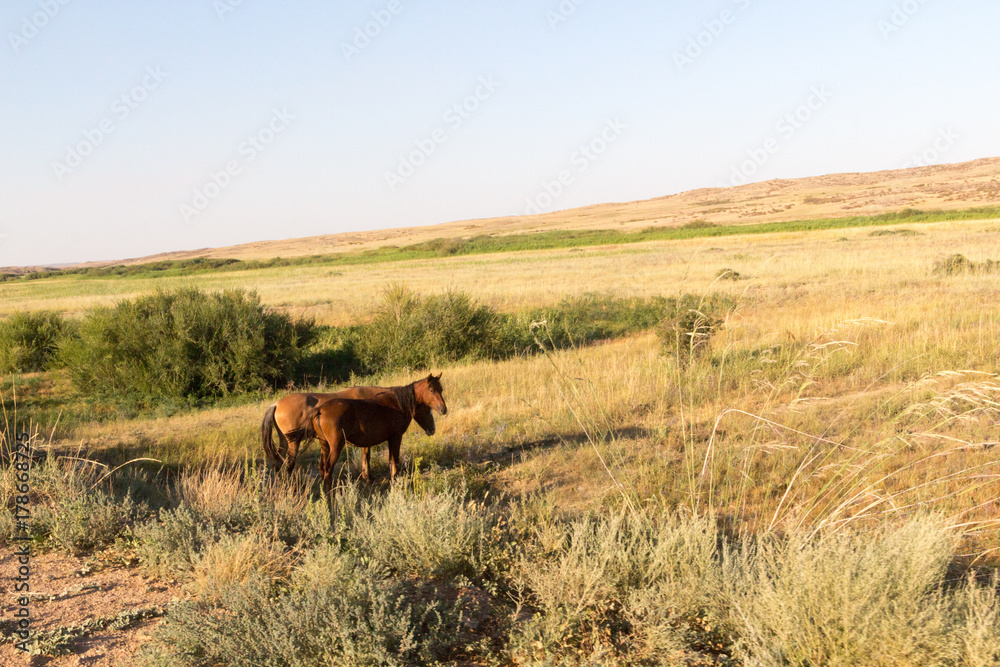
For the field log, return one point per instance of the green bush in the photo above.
(173, 543)
(185, 344)
(85, 522)
(410, 331)
(217, 502)
(29, 341)
(593, 317)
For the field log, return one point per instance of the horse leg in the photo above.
(293, 451)
(324, 460)
(366, 459)
(394, 443)
(335, 449)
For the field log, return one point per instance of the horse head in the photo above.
(429, 392)
(425, 418)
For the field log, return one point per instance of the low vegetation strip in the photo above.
(486, 244)
(278, 575)
(195, 346)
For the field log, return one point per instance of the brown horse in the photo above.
(294, 415)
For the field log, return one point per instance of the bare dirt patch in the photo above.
(69, 592)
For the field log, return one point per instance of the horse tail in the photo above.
(267, 427)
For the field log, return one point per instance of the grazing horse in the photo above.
(294, 416)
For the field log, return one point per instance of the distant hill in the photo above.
(951, 186)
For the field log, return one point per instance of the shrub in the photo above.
(619, 590)
(698, 224)
(850, 600)
(217, 502)
(172, 544)
(593, 317)
(85, 522)
(689, 324)
(410, 331)
(248, 498)
(73, 510)
(952, 265)
(436, 535)
(29, 341)
(236, 559)
(356, 616)
(185, 344)
(959, 264)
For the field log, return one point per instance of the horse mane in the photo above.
(407, 398)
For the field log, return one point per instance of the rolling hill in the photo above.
(940, 187)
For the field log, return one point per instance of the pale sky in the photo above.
(135, 128)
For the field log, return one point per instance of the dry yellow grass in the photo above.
(835, 337)
(861, 275)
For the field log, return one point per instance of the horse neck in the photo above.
(407, 398)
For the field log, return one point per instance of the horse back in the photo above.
(364, 423)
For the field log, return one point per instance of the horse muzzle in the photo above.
(430, 431)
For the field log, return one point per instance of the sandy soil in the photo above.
(95, 590)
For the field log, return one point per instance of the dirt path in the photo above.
(82, 591)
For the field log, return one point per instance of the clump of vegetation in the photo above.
(395, 583)
(729, 274)
(588, 318)
(185, 344)
(699, 224)
(894, 232)
(619, 590)
(74, 507)
(959, 264)
(411, 331)
(29, 341)
(211, 505)
(844, 599)
(355, 615)
(439, 535)
(689, 324)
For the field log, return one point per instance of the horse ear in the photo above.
(439, 375)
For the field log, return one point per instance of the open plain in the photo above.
(848, 400)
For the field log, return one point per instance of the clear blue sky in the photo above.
(134, 128)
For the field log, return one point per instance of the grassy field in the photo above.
(847, 412)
